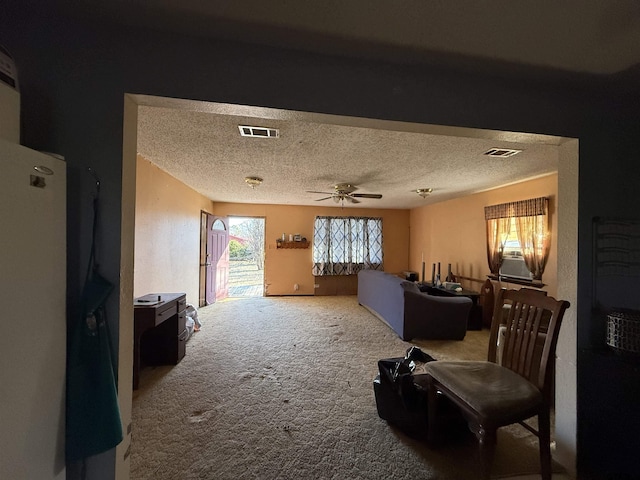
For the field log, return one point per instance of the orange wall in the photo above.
(286, 267)
(454, 231)
(167, 233)
(167, 236)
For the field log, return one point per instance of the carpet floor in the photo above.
(281, 388)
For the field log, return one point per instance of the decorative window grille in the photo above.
(346, 245)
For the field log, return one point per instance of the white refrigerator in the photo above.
(33, 320)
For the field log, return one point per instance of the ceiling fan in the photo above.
(344, 192)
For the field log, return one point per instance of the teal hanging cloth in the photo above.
(93, 415)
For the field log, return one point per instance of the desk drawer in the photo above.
(182, 345)
(182, 322)
(182, 304)
(168, 311)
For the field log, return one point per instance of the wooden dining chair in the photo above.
(492, 395)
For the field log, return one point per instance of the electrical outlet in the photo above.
(316, 285)
(296, 287)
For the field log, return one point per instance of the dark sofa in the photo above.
(409, 312)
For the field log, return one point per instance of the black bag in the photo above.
(399, 400)
(401, 395)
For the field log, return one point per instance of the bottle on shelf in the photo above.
(449, 275)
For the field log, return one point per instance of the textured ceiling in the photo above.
(200, 144)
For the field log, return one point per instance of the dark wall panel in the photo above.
(74, 74)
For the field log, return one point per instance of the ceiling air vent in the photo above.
(501, 152)
(258, 132)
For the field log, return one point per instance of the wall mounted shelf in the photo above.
(292, 244)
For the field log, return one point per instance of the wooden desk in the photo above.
(475, 315)
(160, 333)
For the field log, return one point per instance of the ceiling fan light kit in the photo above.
(253, 182)
(424, 192)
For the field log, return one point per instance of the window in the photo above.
(513, 264)
(218, 225)
(530, 220)
(346, 245)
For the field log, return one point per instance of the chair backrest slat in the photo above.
(531, 329)
(529, 339)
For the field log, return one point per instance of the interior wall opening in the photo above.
(566, 207)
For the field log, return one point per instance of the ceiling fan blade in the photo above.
(325, 198)
(325, 193)
(352, 200)
(366, 195)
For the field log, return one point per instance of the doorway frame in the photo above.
(264, 247)
(568, 180)
(202, 274)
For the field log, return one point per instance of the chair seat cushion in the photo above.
(493, 391)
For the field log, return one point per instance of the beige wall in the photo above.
(167, 233)
(454, 231)
(286, 267)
